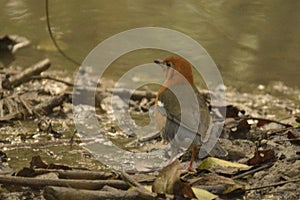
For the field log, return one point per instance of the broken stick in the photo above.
(26, 75)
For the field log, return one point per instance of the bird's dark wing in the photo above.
(192, 117)
(184, 106)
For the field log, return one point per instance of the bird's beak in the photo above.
(159, 62)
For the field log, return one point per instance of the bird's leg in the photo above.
(194, 153)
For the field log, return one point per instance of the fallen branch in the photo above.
(79, 184)
(26, 75)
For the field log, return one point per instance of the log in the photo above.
(26, 75)
(62, 193)
(79, 184)
(77, 174)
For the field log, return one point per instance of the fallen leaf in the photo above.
(233, 111)
(262, 156)
(221, 166)
(169, 182)
(262, 122)
(213, 182)
(234, 189)
(243, 126)
(237, 127)
(203, 194)
(148, 187)
(37, 162)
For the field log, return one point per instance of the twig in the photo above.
(26, 105)
(273, 185)
(53, 79)
(252, 171)
(128, 179)
(268, 120)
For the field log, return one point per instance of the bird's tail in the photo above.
(211, 145)
(215, 151)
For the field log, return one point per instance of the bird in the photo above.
(180, 110)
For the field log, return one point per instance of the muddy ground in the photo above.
(261, 134)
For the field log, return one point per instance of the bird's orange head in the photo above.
(177, 70)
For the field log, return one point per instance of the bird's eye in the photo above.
(169, 64)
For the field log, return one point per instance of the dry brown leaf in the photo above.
(262, 156)
(169, 182)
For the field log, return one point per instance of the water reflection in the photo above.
(17, 10)
(245, 38)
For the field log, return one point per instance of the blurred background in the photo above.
(253, 42)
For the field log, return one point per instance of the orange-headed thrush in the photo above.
(181, 112)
